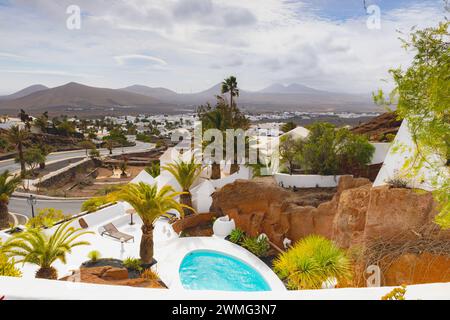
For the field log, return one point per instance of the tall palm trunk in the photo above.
(187, 200)
(22, 161)
(234, 167)
(47, 273)
(4, 215)
(146, 248)
(215, 171)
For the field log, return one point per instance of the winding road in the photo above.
(69, 206)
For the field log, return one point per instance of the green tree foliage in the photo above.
(186, 173)
(93, 204)
(311, 262)
(290, 150)
(86, 145)
(33, 157)
(423, 99)
(17, 137)
(8, 267)
(223, 116)
(331, 151)
(154, 169)
(8, 184)
(46, 218)
(149, 203)
(288, 126)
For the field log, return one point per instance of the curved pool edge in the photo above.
(171, 255)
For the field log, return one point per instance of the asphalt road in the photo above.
(20, 205)
(72, 207)
(59, 156)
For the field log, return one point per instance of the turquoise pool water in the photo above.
(210, 270)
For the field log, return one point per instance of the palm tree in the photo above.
(8, 183)
(36, 247)
(185, 173)
(149, 204)
(17, 137)
(109, 144)
(215, 119)
(153, 170)
(230, 85)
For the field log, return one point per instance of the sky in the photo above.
(190, 45)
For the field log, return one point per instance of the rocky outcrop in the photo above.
(418, 268)
(350, 218)
(394, 228)
(261, 206)
(357, 213)
(394, 211)
(379, 127)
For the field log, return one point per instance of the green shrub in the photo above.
(94, 255)
(94, 204)
(8, 268)
(389, 137)
(396, 294)
(397, 182)
(311, 262)
(133, 264)
(237, 235)
(259, 246)
(46, 218)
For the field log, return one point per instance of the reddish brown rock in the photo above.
(111, 276)
(350, 219)
(261, 206)
(393, 211)
(415, 269)
(115, 274)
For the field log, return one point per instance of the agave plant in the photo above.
(311, 262)
(34, 246)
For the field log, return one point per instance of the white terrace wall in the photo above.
(20, 288)
(306, 180)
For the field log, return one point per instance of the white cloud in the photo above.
(123, 59)
(199, 42)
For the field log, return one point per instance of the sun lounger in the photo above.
(111, 231)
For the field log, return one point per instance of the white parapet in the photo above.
(306, 180)
(40, 289)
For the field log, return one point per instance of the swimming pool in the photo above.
(211, 270)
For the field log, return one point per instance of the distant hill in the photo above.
(158, 93)
(379, 127)
(74, 98)
(24, 92)
(78, 98)
(293, 88)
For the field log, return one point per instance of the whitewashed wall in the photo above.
(306, 180)
(381, 151)
(394, 164)
(244, 173)
(201, 196)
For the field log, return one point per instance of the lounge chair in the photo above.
(111, 231)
